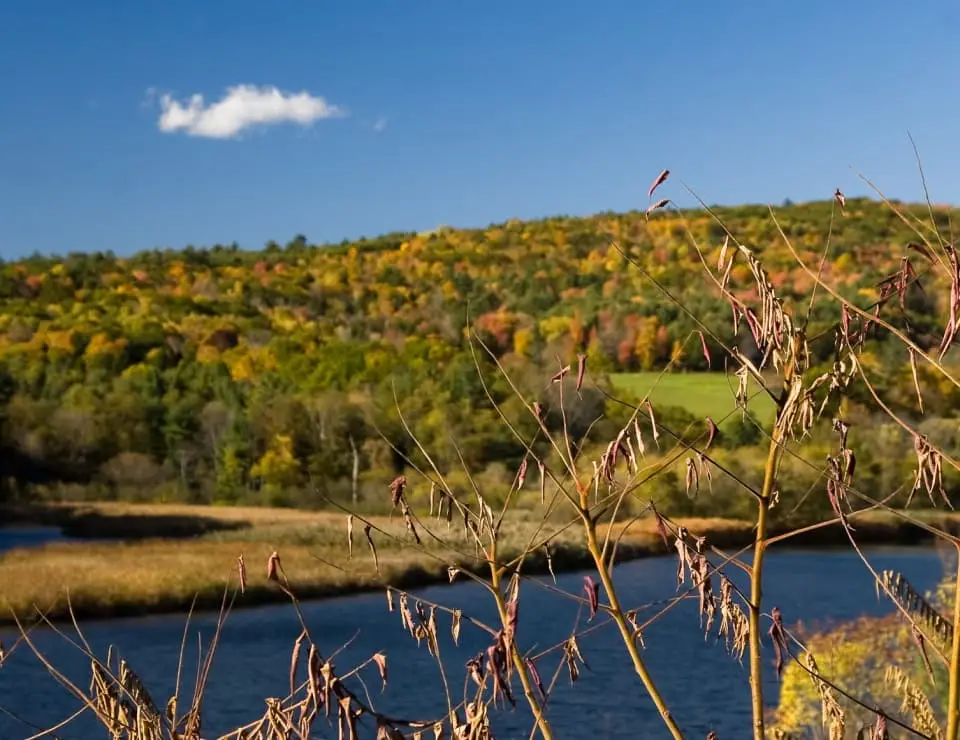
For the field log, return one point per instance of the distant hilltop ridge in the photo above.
(787, 208)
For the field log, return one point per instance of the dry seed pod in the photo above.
(396, 489)
(840, 198)
(535, 675)
(659, 204)
(711, 432)
(592, 590)
(241, 572)
(706, 350)
(661, 178)
(522, 473)
(653, 424)
(381, 660)
(661, 527)
(692, 478)
(543, 481)
(455, 626)
(922, 250)
(916, 380)
(778, 637)
(641, 448)
(295, 658)
(273, 565)
(723, 252)
(373, 548)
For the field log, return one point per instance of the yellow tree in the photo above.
(278, 468)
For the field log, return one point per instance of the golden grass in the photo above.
(254, 515)
(161, 575)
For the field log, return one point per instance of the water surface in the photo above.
(705, 688)
(30, 536)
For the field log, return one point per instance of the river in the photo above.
(705, 688)
(30, 536)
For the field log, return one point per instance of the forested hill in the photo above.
(208, 373)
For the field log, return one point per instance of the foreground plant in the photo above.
(596, 480)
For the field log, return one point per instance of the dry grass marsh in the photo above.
(157, 574)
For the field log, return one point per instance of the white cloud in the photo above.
(242, 107)
(380, 124)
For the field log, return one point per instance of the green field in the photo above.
(702, 394)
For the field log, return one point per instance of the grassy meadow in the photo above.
(700, 393)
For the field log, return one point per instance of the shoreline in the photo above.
(209, 593)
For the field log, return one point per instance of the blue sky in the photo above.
(460, 113)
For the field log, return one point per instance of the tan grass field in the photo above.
(157, 574)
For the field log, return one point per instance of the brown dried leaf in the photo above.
(711, 433)
(692, 476)
(543, 481)
(653, 424)
(661, 178)
(537, 681)
(706, 350)
(723, 252)
(433, 641)
(592, 590)
(350, 536)
(389, 599)
(313, 673)
(661, 527)
(922, 250)
(397, 487)
(841, 199)
(916, 379)
(348, 717)
(273, 565)
(581, 369)
(522, 473)
(373, 548)
(455, 626)
(381, 660)
(641, 448)
(242, 573)
(294, 659)
(475, 669)
(880, 731)
(704, 466)
(657, 205)
(779, 638)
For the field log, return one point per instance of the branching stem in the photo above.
(616, 611)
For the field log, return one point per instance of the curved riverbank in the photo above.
(145, 574)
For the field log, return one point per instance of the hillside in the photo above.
(225, 375)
